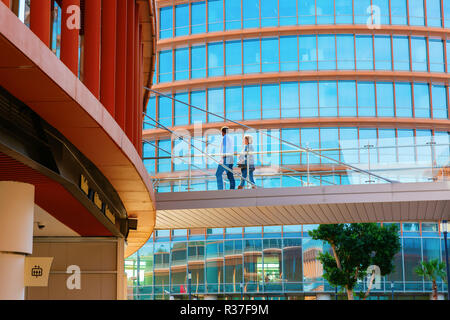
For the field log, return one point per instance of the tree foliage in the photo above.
(355, 247)
(432, 270)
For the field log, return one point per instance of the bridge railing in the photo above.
(352, 162)
(283, 161)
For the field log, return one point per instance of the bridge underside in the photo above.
(312, 205)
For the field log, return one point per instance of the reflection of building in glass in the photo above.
(311, 73)
(274, 262)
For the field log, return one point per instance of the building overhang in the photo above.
(305, 205)
(35, 76)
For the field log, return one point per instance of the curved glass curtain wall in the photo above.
(273, 260)
(323, 52)
(304, 99)
(405, 155)
(225, 15)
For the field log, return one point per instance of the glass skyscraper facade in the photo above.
(361, 82)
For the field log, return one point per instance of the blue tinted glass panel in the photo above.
(181, 63)
(419, 54)
(232, 14)
(198, 62)
(446, 5)
(401, 53)
(288, 9)
(165, 22)
(288, 53)
(307, 12)
(289, 100)
(398, 12)
(328, 99)
(347, 98)
(383, 58)
(252, 57)
(362, 14)
(384, 11)
(436, 55)
(366, 99)
(250, 12)
(198, 99)
(448, 55)
(270, 58)
(307, 52)
(368, 139)
(310, 139)
(252, 102)
(439, 94)
(326, 52)
(148, 152)
(269, 13)
(308, 99)
(423, 147)
(325, 11)
(182, 20)
(385, 99)
(329, 139)
(233, 57)
(344, 12)
(345, 52)
(181, 110)
(215, 104)
(164, 150)
(165, 111)
(198, 16)
(151, 112)
(434, 14)
(349, 145)
(165, 66)
(215, 15)
(364, 52)
(422, 100)
(270, 101)
(293, 136)
(403, 99)
(233, 103)
(215, 59)
(386, 138)
(416, 13)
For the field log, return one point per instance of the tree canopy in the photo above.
(355, 247)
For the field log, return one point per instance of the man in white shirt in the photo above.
(227, 160)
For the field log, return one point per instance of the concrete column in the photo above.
(69, 36)
(16, 236)
(92, 38)
(108, 65)
(130, 105)
(40, 19)
(323, 296)
(121, 62)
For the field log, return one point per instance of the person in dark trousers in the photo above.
(227, 160)
(247, 162)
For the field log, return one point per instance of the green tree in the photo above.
(354, 248)
(432, 270)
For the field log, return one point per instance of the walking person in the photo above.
(227, 160)
(246, 162)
